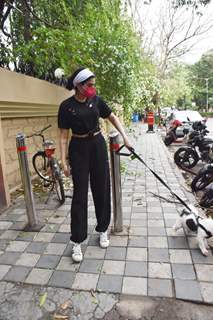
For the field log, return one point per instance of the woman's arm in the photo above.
(63, 143)
(117, 124)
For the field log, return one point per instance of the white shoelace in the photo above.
(103, 236)
(77, 248)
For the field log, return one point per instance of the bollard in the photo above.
(116, 182)
(26, 181)
(150, 121)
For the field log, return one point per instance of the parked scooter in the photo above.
(171, 134)
(198, 148)
(203, 178)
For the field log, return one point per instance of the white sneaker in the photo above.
(76, 252)
(104, 241)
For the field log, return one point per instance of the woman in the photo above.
(87, 156)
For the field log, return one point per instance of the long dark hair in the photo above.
(70, 85)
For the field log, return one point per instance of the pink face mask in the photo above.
(90, 92)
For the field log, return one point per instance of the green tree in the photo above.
(202, 80)
(46, 35)
(175, 88)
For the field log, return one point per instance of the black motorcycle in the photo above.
(207, 199)
(203, 178)
(198, 148)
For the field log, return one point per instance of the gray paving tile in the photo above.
(95, 252)
(65, 228)
(85, 281)
(156, 231)
(115, 253)
(159, 270)
(113, 267)
(17, 246)
(198, 257)
(39, 276)
(50, 227)
(48, 262)
(61, 237)
(188, 290)
(155, 215)
(37, 247)
(17, 274)
(204, 272)
(170, 222)
(136, 254)
(156, 223)
(19, 225)
(3, 270)
(118, 241)
(138, 223)
(110, 283)
(183, 271)
(135, 241)
(94, 240)
(4, 244)
(62, 279)
(9, 257)
(55, 248)
(26, 236)
(158, 255)
(160, 288)
(44, 237)
(157, 242)
(207, 291)
(91, 266)
(134, 286)
(5, 225)
(28, 259)
(180, 256)
(9, 234)
(136, 269)
(177, 243)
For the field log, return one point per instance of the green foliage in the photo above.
(69, 34)
(175, 89)
(202, 80)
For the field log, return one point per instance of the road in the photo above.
(210, 126)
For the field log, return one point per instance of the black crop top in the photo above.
(82, 117)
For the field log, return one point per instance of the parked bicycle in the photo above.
(47, 166)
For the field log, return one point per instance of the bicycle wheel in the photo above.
(41, 166)
(186, 157)
(57, 180)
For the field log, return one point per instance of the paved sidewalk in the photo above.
(147, 259)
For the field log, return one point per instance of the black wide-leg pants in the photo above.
(89, 161)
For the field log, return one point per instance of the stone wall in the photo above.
(26, 105)
(10, 127)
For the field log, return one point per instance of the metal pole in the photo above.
(116, 182)
(26, 181)
(207, 94)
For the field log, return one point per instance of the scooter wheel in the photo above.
(186, 157)
(201, 181)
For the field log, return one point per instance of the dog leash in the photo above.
(136, 156)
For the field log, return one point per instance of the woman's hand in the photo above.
(66, 169)
(127, 143)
